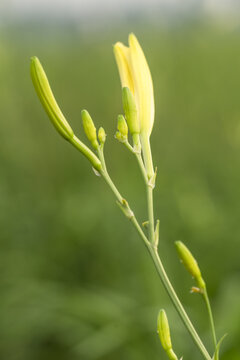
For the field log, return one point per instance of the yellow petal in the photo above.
(122, 56)
(142, 85)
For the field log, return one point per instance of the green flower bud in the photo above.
(190, 263)
(118, 136)
(163, 330)
(164, 334)
(130, 110)
(122, 126)
(101, 135)
(48, 101)
(89, 128)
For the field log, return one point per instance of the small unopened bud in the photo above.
(48, 101)
(122, 126)
(130, 110)
(190, 263)
(101, 135)
(164, 334)
(163, 330)
(118, 136)
(89, 129)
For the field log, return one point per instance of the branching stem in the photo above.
(152, 249)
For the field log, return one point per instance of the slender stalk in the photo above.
(209, 309)
(120, 199)
(156, 259)
(176, 302)
(101, 156)
(165, 280)
(150, 213)
(142, 168)
(160, 269)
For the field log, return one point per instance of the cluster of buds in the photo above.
(137, 96)
(138, 105)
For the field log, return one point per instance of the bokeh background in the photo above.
(75, 280)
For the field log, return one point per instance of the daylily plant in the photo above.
(138, 119)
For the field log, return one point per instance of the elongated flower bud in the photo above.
(190, 263)
(163, 330)
(164, 334)
(89, 129)
(130, 109)
(48, 101)
(51, 107)
(101, 135)
(122, 126)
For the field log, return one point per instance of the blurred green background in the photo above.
(75, 280)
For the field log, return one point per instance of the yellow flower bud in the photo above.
(190, 263)
(101, 135)
(122, 126)
(135, 74)
(89, 128)
(48, 101)
(164, 334)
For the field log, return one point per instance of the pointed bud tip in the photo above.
(132, 37)
(34, 58)
(84, 112)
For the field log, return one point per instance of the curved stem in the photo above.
(165, 280)
(209, 309)
(154, 254)
(176, 302)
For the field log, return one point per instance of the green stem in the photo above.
(142, 168)
(147, 155)
(121, 199)
(209, 309)
(156, 259)
(160, 269)
(150, 213)
(101, 156)
(176, 302)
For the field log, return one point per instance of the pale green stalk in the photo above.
(160, 269)
(119, 197)
(176, 302)
(209, 309)
(150, 213)
(153, 252)
(166, 282)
